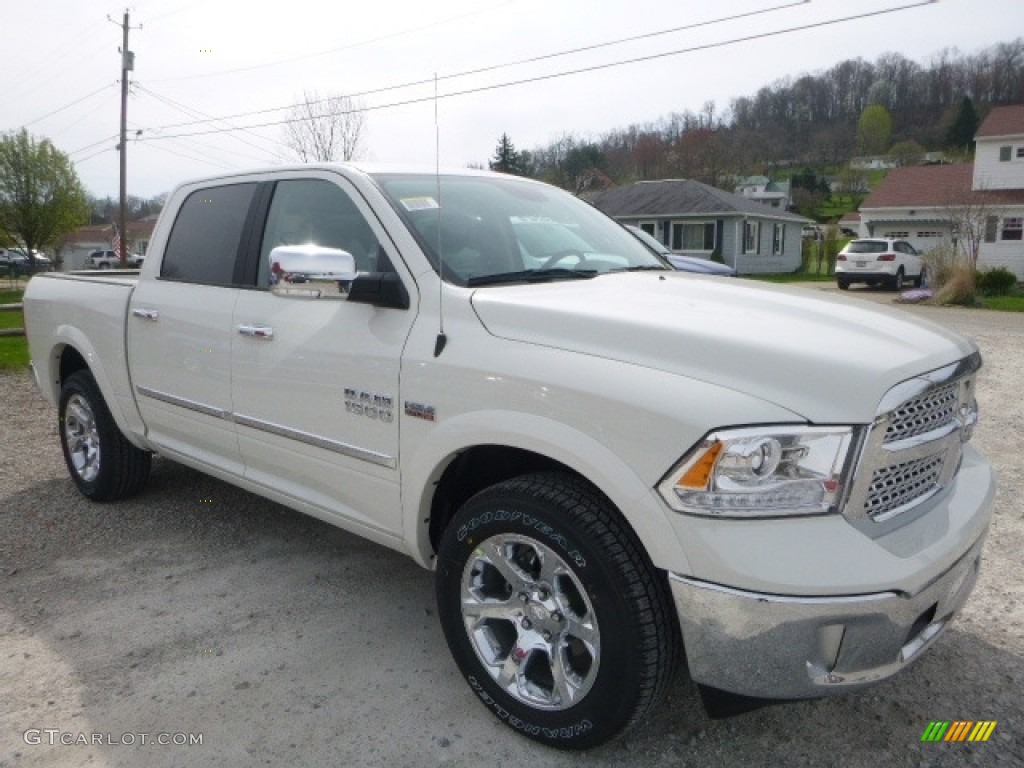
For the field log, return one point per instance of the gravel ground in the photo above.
(201, 610)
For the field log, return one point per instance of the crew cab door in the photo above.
(315, 381)
(180, 330)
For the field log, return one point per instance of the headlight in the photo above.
(762, 472)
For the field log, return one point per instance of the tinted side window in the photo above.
(204, 241)
(321, 213)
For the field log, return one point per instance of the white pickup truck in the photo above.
(606, 463)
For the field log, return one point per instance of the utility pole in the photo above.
(127, 65)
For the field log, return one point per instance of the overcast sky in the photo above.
(196, 59)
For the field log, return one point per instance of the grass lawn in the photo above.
(793, 277)
(9, 295)
(13, 349)
(1004, 303)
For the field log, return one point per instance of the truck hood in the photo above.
(827, 359)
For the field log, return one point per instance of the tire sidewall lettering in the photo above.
(529, 521)
(563, 732)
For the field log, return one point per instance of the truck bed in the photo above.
(88, 310)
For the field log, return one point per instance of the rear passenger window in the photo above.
(204, 240)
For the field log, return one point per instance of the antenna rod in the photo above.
(442, 339)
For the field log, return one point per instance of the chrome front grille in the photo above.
(919, 415)
(913, 449)
(896, 486)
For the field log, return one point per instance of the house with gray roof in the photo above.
(695, 219)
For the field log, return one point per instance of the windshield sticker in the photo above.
(424, 203)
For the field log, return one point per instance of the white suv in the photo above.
(879, 261)
(109, 260)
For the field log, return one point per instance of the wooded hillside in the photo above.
(810, 120)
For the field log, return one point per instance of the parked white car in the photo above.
(109, 260)
(879, 261)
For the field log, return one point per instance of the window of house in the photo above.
(778, 238)
(929, 233)
(648, 227)
(698, 236)
(751, 237)
(203, 245)
(991, 228)
(1013, 228)
(1004, 154)
(897, 234)
(1020, 153)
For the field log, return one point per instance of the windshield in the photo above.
(493, 230)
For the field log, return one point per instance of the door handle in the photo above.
(146, 314)
(257, 331)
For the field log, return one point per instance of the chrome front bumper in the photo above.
(779, 647)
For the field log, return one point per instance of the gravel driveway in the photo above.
(198, 611)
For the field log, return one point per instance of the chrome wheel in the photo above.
(530, 622)
(82, 438)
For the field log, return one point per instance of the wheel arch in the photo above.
(72, 352)
(474, 451)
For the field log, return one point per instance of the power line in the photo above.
(214, 163)
(69, 105)
(77, 121)
(94, 154)
(25, 78)
(205, 119)
(519, 62)
(191, 112)
(360, 44)
(566, 73)
(94, 144)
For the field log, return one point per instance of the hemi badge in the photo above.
(420, 411)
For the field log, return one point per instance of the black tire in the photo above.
(102, 463)
(919, 280)
(897, 281)
(844, 285)
(607, 615)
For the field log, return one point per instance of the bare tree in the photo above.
(973, 215)
(325, 129)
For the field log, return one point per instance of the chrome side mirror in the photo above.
(311, 272)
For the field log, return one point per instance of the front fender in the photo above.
(639, 504)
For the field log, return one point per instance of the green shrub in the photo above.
(996, 282)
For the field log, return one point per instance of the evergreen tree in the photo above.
(961, 131)
(506, 159)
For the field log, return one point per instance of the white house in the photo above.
(918, 203)
(999, 175)
(774, 194)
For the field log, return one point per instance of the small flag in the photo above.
(115, 242)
